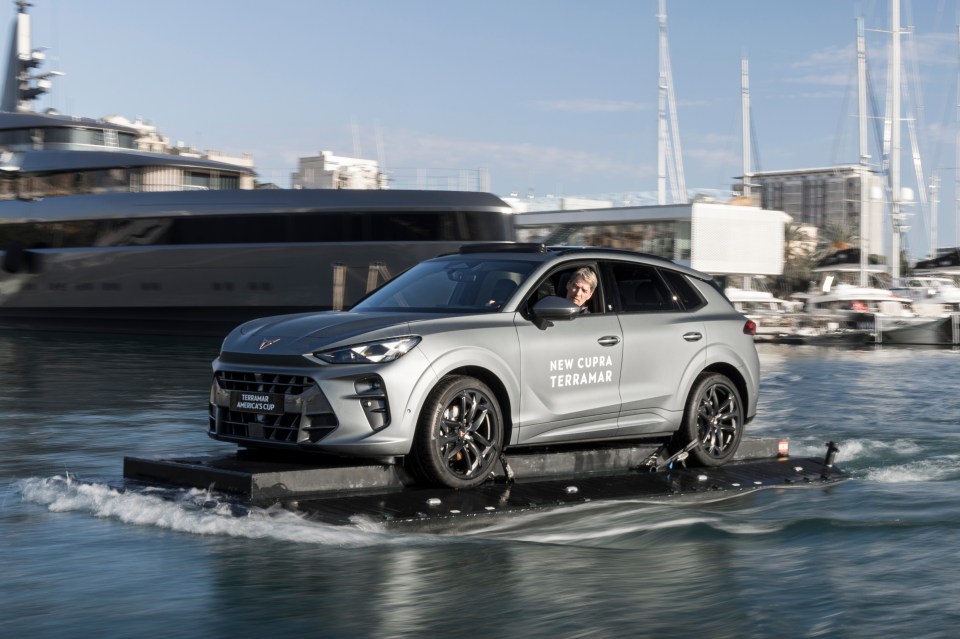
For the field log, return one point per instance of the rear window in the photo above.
(641, 289)
(685, 292)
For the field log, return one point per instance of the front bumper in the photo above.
(338, 409)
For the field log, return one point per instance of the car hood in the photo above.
(306, 332)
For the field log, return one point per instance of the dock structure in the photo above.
(341, 491)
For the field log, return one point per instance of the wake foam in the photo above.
(900, 460)
(942, 468)
(855, 449)
(196, 512)
(201, 512)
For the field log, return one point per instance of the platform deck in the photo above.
(265, 476)
(339, 491)
(430, 507)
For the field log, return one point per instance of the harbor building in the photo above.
(827, 198)
(714, 237)
(329, 171)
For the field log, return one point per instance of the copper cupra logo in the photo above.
(268, 342)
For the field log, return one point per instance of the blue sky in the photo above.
(549, 96)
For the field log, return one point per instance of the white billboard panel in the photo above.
(729, 240)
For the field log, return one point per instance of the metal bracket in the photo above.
(654, 463)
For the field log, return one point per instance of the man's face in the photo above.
(579, 291)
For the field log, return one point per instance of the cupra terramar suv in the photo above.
(468, 354)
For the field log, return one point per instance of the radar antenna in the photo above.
(21, 85)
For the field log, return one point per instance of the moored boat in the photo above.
(774, 317)
(931, 294)
(841, 299)
(939, 331)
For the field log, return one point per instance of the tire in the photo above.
(460, 434)
(713, 417)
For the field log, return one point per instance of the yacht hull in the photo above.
(943, 331)
(197, 290)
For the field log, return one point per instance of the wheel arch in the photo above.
(733, 374)
(499, 389)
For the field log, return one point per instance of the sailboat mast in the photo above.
(662, 110)
(669, 155)
(934, 201)
(895, 215)
(864, 149)
(680, 181)
(745, 124)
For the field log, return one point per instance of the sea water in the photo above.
(873, 556)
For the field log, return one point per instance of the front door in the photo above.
(570, 377)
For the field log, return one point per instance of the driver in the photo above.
(581, 286)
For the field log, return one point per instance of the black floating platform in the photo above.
(441, 507)
(338, 490)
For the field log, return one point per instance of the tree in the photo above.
(839, 236)
(800, 255)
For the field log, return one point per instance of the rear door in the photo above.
(664, 347)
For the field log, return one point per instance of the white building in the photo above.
(148, 139)
(716, 238)
(329, 171)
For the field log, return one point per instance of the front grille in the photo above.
(263, 382)
(275, 429)
(280, 429)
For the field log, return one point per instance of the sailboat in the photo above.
(941, 330)
(853, 295)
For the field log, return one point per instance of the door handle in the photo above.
(692, 337)
(609, 340)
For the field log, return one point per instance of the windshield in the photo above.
(470, 284)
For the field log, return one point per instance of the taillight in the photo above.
(750, 328)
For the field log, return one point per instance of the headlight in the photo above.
(369, 353)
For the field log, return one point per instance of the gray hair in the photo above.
(584, 273)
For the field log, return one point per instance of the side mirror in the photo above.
(553, 308)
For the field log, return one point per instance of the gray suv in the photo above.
(468, 354)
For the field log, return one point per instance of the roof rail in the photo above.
(607, 249)
(504, 247)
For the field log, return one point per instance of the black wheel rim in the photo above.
(718, 420)
(468, 434)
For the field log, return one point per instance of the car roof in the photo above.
(546, 253)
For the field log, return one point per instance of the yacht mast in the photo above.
(934, 202)
(745, 123)
(864, 150)
(956, 175)
(896, 217)
(20, 87)
(662, 119)
(669, 156)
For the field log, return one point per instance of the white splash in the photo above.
(941, 468)
(852, 449)
(196, 512)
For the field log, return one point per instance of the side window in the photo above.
(641, 289)
(546, 288)
(685, 292)
(557, 284)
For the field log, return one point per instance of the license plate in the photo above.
(264, 403)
